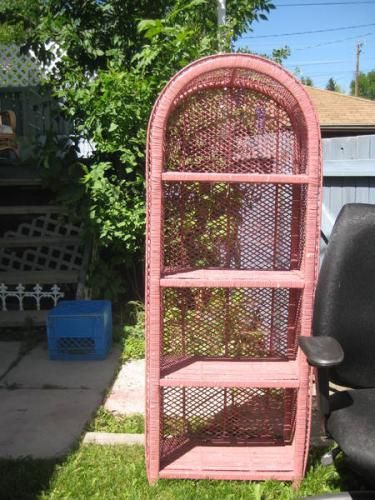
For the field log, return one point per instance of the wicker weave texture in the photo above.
(234, 121)
(233, 226)
(233, 209)
(225, 416)
(237, 323)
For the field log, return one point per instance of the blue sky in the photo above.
(336, 55)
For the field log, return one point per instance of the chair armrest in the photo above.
(322, 352)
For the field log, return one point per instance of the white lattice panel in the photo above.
(43, 258)
(17, 70)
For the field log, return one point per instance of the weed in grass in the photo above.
(131, 335)
(323, 479)
(134, 332)
(105, 421)
(134, 348)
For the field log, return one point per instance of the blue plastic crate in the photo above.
(80, 330)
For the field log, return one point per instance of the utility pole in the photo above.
(359, 47)
(221, 11)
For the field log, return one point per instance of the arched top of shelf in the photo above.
(277, 116)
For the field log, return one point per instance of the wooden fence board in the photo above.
(349, 177)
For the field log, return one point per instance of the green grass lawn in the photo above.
(100, 472)
(105, 473)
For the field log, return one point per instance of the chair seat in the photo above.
(352, 425)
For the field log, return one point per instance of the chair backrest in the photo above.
(345, 295)
(8, 117)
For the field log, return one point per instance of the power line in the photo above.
(307, 63)
(332, 42)
(320, 75)
(318, 62)
(322, 44)
(313, 31)
(313, 4)
(326, 73)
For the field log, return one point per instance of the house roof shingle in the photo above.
(337, 110)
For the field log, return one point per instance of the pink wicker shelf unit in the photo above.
(234, 176)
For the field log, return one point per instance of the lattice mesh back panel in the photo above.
(230, 323)
(238, 121)
(233, 226)
(217, 415)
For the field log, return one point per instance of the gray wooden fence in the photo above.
(349, 177)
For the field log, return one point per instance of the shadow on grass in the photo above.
(25, 478)
(324, 479)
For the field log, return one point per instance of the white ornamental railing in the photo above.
(21, 293)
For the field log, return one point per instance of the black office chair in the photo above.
(343, 342)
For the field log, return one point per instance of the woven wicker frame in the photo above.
(233, 211)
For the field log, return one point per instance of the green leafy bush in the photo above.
(113, 58)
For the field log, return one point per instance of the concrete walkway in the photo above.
(127, 395)
(45, 405)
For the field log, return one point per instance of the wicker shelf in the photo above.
(234, 278)
(233, 195)
(233, 462)
(225, 177)
(201, 426)
(228, 373)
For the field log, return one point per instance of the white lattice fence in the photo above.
(44, 257)
(16, 69)
(58, 249)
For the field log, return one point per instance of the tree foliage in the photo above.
(13, 21)
(333, 85)
(110, 60)
(366, 85)
(277, 55)
(305, 80)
